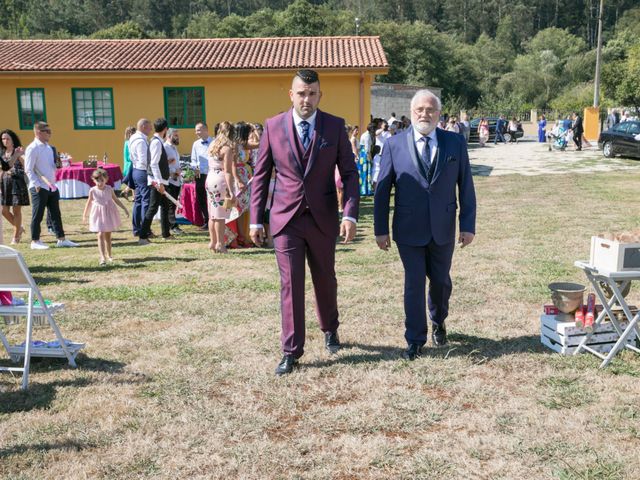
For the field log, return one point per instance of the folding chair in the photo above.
(15, 277)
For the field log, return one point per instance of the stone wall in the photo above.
(393, 97)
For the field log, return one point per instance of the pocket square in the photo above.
(324, 145)
(451, 158)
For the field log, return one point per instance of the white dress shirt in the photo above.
(174, 163)
(139, 150)
(155, 150)
(433, 143)
(39, 162)
(200, 155)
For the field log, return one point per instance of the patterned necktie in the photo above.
(426, 154)
(304, 125)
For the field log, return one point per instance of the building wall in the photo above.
(389, 97)
(249, 96)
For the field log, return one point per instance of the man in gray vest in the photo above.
(157, 179)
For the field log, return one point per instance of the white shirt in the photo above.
(174, 163)
(139, 150)
(155, 150)
(200, 154)
(392, 119)
(39, 162)
(365, 141)
(433, 143)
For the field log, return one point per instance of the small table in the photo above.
(190, 208)
(617, 282)
(75, 180)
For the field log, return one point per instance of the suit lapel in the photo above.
(316, 140)
(417, 163)
(439, 159)
(290, 131)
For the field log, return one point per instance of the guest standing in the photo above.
(157, 182)
(13, 185)
(578, 130)
(139, 153)
(40, 167)
(172, 140)
(200, 166)
(542, 129)
(483, 132)
(220, 185)
(127, 166)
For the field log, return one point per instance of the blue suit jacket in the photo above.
(425, 211)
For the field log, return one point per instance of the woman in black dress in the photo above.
(13, 182)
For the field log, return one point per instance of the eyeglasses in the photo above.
(421, 110)
(46, 130)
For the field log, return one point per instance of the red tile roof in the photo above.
(192, 54)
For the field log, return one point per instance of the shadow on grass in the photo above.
(75, 268)
(66, 445)
(460, 345)
(135, 262)
(38, 396)
(481, 170)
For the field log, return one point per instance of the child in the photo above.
(104, 217)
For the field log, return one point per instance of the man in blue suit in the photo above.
(425, 165)
(501, 126)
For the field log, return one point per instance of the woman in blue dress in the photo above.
(542, 129)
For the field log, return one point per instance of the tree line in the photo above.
(506, 55)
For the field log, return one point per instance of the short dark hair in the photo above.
(308, 76)
(14, 138)
(160, 124)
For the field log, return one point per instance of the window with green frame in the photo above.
(31, 108)
(184, 106)
(92, 108)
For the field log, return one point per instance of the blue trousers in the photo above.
(431, 261)
(141, 199)
(499, 137)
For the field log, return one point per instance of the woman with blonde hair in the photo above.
(220, 185)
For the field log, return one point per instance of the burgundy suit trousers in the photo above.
(302, 238)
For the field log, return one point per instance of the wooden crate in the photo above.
(564, 337)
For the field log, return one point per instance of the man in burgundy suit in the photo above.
(305, 145)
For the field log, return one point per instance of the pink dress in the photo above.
(104, 216)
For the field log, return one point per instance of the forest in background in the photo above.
(490, 55)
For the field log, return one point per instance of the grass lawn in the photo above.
(177, 378)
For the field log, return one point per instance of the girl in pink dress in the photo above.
(103, 214)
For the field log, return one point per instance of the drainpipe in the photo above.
(361, 116)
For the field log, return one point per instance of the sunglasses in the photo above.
(46, 130)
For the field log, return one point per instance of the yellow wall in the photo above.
(592, 123)
(228, 96)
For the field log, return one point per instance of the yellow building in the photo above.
(90, 90)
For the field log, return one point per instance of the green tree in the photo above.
(121, 30)
(204, 25)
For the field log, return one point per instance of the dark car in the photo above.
(620, 140)
(473, 135)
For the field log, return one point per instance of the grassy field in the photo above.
(177, 378)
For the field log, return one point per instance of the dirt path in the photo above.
(528, 157)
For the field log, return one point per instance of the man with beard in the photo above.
(425, 165)
(171, 142)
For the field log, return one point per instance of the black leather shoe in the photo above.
(439, 335)
(286, 365)
(414, 351)
(332, 342)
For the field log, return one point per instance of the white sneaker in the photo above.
(66, 243)
(38, 245)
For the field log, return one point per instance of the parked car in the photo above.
(620, 140)
(473, 135)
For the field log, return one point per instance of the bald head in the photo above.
(144, 126)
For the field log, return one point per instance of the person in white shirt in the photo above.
(200, 165)
(172, 139)
(40, 167)
(139, 154)
(392, 118)
(157, 179)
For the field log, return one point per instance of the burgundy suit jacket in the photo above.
(329, 147)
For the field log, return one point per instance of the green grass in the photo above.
(177, 378)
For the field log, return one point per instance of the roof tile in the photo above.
(192, 54)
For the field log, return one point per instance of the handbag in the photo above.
(229, 203)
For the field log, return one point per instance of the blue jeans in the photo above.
(141, 199)
(499, 136)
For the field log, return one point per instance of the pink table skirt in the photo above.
(190, 209)
(75, 180)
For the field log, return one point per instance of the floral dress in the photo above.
(216, 186)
